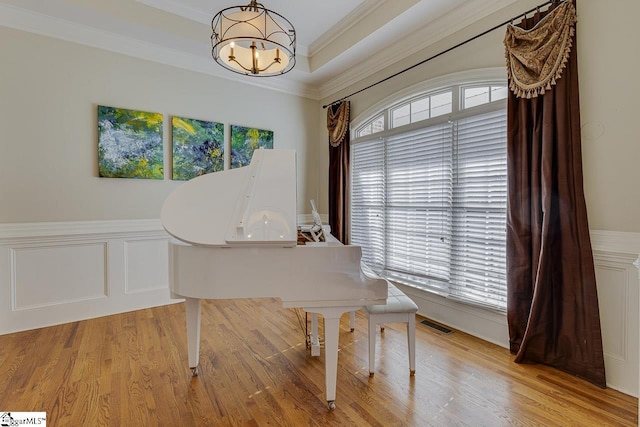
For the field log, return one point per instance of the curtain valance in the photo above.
(537, 57)
(338, 122)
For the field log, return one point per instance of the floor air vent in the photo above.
(437, 327)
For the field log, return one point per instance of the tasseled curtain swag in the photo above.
(537, 57)
(338, 123)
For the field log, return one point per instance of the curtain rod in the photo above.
(524, 14)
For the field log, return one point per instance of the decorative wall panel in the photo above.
(146, 265)
(57, 274)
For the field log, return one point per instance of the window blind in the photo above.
(368, 201)
(478, 269)
(429, 207)
(418, 209)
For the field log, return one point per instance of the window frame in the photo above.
(456, 83)
(369, 123)
(486, 76)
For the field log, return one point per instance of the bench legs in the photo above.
(411, 340)
(372, 346)
(373, 320)
(381, 319)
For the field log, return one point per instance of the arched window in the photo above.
(429, 189)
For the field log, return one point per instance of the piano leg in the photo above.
(331, 317)
(314, 337)
(193, 312)
(331, 331)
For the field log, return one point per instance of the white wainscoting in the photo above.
(619, 298)
(59, 272)
(53, 273)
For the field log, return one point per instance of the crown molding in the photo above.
(177, 8)
(435, 31)
(185, 54)
(173, 53)
(346, 23)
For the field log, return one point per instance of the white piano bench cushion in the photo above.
(397, 302)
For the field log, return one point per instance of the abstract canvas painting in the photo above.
(129, 143)
(244, 141)
(198, 147)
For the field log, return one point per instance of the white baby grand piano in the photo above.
(237, 239)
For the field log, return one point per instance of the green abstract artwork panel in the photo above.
(244, 141)
(198, 147)
(129, 144)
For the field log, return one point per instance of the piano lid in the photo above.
(252, 205)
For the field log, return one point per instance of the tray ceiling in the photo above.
(339, 41)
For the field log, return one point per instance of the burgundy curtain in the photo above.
(552, 304)
(338, 126)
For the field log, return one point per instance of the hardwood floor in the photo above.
(131, 370)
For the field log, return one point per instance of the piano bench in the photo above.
(398, 309)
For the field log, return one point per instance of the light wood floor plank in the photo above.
(131, 369)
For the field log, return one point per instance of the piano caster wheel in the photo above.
(412, 373)
(371, 374)
(194, 371)
(332, 404)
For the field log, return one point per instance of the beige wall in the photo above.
(49, 92)
(609, 91)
